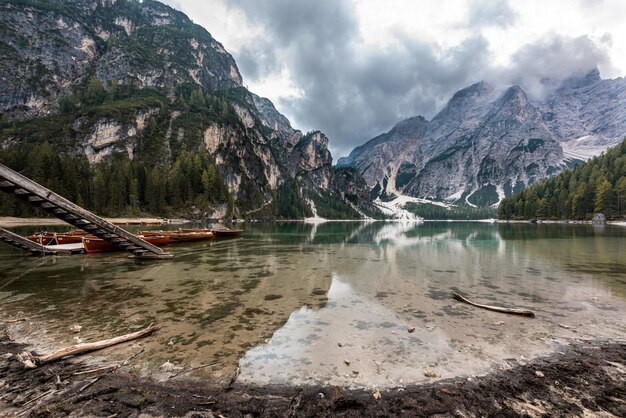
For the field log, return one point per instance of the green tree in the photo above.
(604, 198)
(95, 93)
(620, 190)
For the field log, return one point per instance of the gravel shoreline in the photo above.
(587, 378)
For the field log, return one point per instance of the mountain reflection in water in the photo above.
(289, 302)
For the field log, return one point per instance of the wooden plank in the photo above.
(23, 243)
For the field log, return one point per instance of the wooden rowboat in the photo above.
(95, 244)
(227, 233)
(57, 238)
(43, 238)
(189, 235)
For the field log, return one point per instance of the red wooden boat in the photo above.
(43, 238)
(189, 235)
(53, 238)
(227, 233)
(94, 244)
(72, 237)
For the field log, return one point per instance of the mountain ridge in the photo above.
(488, 142)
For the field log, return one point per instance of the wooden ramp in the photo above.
(28, 191)
(22, 243)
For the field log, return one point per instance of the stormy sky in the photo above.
(354, 68)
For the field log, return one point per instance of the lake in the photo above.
(352, 304)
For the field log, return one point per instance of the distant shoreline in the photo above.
(11, 221)
(560, 221)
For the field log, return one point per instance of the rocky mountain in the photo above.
(488, 143)
(124, 83)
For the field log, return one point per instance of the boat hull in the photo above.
(58, 238)
(189, 235)
(94, 244)
(227, 233)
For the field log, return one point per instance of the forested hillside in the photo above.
(117, 184)
(597, 186)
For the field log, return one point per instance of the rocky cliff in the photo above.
(112, 78)
(488, 143)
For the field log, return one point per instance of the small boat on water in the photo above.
(189, 235)
(58, 238)
(95, 244)
(72, 237)
(226, 233)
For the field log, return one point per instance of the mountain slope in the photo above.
(486, 144)
(153, 110)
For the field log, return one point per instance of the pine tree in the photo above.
(604, 198)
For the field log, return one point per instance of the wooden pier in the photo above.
(35, 194)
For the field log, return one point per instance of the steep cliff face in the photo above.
(51, 46)
(392, 155)
(510, 146)
(487, 143)
(587, 114)
(140, 80)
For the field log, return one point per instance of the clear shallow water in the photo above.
(290, 303)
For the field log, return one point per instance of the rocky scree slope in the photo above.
(487, 144)
(112, 78)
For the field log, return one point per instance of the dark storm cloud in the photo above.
(542, 65)
(491, 13)
(353, 95)
(358, 99)
(257, 60)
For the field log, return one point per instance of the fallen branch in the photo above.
(192, 370)
(38, 397)
(99, 369)
(132, 357)
(31, 361)
(13, 321)
(91, 382)
(512, 311)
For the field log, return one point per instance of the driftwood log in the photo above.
(31, 361)
(512, 311)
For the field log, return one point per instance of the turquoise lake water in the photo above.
(355, 304)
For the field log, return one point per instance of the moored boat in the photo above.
(226, 233)
(95, 244)
(189, 235)
(72, 237)
(58, 238)
(43, 238)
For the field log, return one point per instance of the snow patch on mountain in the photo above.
(395, 208)
(582, 148)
